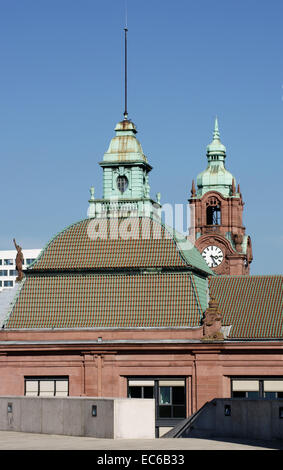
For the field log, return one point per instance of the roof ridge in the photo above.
(196, 293)
(244, 276)
(174, 235)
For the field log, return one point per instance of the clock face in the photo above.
(213, 255)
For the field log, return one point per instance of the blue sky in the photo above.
(61, 95)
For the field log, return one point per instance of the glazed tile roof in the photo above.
(117, 243)
(105, 300)
(253, 305)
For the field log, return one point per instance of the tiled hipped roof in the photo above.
(253, 305)
(113, 273)
(103, 301)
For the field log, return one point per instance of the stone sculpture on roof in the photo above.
(19, 262)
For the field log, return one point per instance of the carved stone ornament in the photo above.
(238, 240)
(19, 262)
(212, 322)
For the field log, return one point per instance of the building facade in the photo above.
(118, 305)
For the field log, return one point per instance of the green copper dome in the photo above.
(125, 147)
(215, 177)
(216, 148)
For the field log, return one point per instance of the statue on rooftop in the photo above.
(19, 261)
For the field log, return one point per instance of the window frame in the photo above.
(261, 391)
(122, 183)
(8, 262)
(169, 421)
(46, 378)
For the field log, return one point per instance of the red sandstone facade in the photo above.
(100, 363)
(237, 258)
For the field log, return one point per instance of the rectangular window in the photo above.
(29, 261)
(31, 388)
(0, 283)
(257, 388)
(13, 272)
(3, 272)
(169, 394)
(8, 283)
(172, 399)
(46, 386)
(61, 388)
(165, 395)
(273, 389)
(245, 389)
(8, 262)
(0, 262)
(141, 388)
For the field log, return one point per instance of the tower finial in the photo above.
(216, 134)
(126, 75)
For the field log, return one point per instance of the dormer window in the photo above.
(122, 183)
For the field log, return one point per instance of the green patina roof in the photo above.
(189, 252)
(125, 147)
(215, 177)
(252, 305)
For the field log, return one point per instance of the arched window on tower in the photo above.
(213, 212)
(122, 183)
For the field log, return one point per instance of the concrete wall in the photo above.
(132, 421)
(116, 418)
(253, 419)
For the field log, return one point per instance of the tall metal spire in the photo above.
(126, 76)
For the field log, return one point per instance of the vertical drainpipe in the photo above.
(194, 387)
(83, 388)
(99, 375)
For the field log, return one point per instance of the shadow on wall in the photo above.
(235, 420)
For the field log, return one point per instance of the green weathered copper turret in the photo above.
(125, 161)
(216, 177)
(126, 187)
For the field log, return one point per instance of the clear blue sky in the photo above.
(61, 89)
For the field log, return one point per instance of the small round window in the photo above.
(122, 183)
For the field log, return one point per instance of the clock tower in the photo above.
(218, 209)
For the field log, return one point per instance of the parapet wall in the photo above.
(111, 418)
